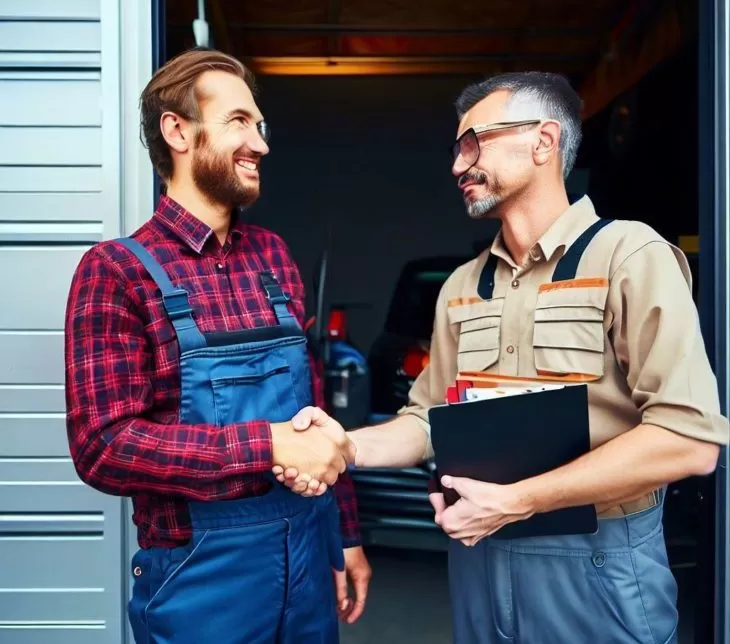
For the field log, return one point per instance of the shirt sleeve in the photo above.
(429, 389)
(110, 394)
(344, 489)
(659, 345)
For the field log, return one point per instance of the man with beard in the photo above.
(560, 292)
(185, 362)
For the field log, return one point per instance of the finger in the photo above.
(309, 416)
(303, 418)
(322, 489)
(280, 478)
(439, 505)
(278, 470)
(302, 483)
(313, 485)
(343, 601)
(361, 585)
(291, 473)
(464, 487)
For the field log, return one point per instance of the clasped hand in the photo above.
(323, 452)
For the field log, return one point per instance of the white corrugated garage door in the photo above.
(62, 545)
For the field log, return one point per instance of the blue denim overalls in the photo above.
(613, 587)
(258, 570)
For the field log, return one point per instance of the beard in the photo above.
(482, 208)
(215, 176)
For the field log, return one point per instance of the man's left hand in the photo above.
(358, 570)
(482, 509)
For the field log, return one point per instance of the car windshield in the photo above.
(414, 303)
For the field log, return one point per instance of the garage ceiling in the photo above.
(484, 36)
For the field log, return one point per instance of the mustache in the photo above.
(472, 176)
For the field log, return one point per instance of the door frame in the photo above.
(714, 296)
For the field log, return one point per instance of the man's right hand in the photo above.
(302, 481)
(313, 452)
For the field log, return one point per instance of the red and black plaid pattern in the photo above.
(123, 376)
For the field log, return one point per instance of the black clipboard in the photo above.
(505, 440)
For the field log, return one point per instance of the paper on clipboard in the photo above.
(474, 393)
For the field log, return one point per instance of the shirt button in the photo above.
(510, 349)
(515, 283)
(219, 266)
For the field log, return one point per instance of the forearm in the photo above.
(623, 469)
(401, 442)
(198, 462)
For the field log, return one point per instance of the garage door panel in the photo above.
(51, 36)
(50, 497)
(43, 180)
(68, 604)
(41, 399)
(18, 469)
(38, 304)
(57, 562)
(52, 146)
(31, 358)
(51, 9)
(49, 103)
(33, 434)
(51, 206)
(58, 634)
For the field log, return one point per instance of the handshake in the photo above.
(311, 451)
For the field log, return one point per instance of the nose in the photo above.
(459, 166)
(258, 145)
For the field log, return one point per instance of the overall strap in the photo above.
(568, 264)
(278, 300)
(175, 300)
(485, 289)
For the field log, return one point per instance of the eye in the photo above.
(240, 120)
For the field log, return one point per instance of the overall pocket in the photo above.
(568, 334)
(479, 332)
(260, 389)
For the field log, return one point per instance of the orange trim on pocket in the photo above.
(463, 301)
(581, 282)
(497, 379)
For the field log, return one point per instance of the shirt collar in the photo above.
(564, 231)
(187, 227)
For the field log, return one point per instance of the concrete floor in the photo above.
(408, 601)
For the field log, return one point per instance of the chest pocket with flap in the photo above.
(478, 327)
(569, 336)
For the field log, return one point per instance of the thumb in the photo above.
(309, 416)
(439, 505)
(343, 600)
(464, 487)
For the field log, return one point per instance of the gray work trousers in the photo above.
(614, 587)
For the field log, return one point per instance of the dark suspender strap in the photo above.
(278, 300)
(568, 265)
(485, 289)
(175, 300)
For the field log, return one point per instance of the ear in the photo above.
(176, 131)
(548, 142)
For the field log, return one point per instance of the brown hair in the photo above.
(173, 89)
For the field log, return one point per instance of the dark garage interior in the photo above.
(359, 95)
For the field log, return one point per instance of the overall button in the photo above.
(515, 283)
(137, 571)
(510, 349)
(599, 560)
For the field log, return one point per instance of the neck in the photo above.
(528, 219)
(216, 216)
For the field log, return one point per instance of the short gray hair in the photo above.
(534, 95)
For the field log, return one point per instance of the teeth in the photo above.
(247, 165)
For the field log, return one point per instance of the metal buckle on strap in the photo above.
(177, 304)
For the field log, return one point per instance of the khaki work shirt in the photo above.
(628, 319)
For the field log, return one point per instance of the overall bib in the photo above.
(257, 570)
(614, 587)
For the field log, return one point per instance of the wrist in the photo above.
(358, 454)
(525, 497)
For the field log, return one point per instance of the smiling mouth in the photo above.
(251, 166)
